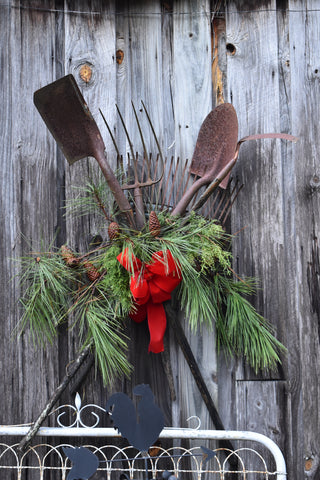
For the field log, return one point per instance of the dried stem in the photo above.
(25, 442)
(101, 206)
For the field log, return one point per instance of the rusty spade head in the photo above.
(216, 143)
(68, 118)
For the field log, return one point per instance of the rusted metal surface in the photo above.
(69, 119)
(216, 143)
(142, 175)
(215, 147)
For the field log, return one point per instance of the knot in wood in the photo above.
(231, 49)
(119, 56)
(315, 182)
(308, 464)
(85, 73)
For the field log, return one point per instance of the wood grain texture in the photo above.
(268, 59)
(192, 86)
(304, 62)
(32, 208)
(256, 411)
(255, 95)
(9, 360)
(278, 203)
(252, 87)
(139, 78)
(89, 40)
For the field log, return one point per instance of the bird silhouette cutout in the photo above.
(84, 463)
(142, 427)
(207, 454)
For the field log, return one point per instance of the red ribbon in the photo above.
(151, 285)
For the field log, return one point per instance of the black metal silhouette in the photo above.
(141, 428)
(84, 463)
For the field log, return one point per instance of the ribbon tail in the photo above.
(157, 323)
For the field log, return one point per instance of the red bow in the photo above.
(151, 284)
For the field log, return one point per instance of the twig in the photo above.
(77, 384)
(25, 442)
(101, 205)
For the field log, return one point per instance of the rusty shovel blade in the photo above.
(215, 147)
(67, 116)
(216, 143)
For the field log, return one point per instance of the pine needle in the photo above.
(246, 333)
(46, 282)
(54, 292)
(110, 345)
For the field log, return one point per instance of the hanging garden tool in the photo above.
(68, 118)
(138, 269)
(216, 153)
(138, 183)
(135, 273)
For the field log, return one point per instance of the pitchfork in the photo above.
(133, 159)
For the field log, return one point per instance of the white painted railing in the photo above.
(113, 460)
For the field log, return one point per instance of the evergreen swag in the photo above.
(93, 289)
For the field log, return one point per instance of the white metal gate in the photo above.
(124, 462)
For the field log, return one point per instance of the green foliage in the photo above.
(242, 331)
(55, 292)
(46, 284)
(116, 281)
(104, 330)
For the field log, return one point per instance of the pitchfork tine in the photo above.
(110, 133)
(230, 206)
(126, 132)
(133, 161)
(142, 138)
(154, 133)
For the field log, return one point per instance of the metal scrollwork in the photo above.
(198, 420)
(78, 410)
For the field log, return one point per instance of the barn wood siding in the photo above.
(176, 60)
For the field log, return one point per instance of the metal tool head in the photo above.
(216, 143)
(68, 118)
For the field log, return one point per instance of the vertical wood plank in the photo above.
(304, 28)
(259, 408)
(253, 86)
(140, 77)
(252, 76)
(33, 188)
(292, 410)
(8, 234)
(89, 39)
(192, 101)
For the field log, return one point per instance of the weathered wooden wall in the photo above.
(181, 58)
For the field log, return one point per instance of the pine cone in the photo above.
(91, 271)
(113, 231)
(69, 257)
(154, 224)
